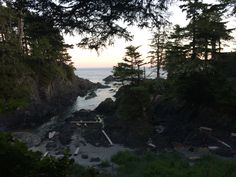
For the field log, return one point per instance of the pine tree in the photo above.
(130, 68)
(157, 52)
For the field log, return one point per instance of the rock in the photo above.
(47, 101)
(51, 145)
(66, 132)
(106, 107)
(83, 143)
(91, 95)
(51, 134)
(160, 129)
(95, 159)
(84, 115)
(109, 79)
(58, 153)
(100, 86)
(28, 138)
(84, 156)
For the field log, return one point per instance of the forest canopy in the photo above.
(99, 21)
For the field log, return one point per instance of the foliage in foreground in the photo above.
(17, 160)
(171, 165)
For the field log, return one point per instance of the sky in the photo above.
(110, 56)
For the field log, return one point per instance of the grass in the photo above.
(171, 165)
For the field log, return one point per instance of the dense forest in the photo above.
(198, 91)
(200, 76)
(32, 48)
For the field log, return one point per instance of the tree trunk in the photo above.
(144, 72)
(20, 30)
(138, 74)
(219, 46)
(213, 48)
(194, 32)
(158, 57)
(206, 50)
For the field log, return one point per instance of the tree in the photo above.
(176, 51)
(130, 68)
(192, 8)
(206, 28)
(157, 52)
(42, 56)
(211, 29)
(99, 21)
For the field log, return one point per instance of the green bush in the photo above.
(124, 157)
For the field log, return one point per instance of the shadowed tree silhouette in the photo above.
(99, 21)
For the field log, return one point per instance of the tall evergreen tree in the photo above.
(176, 51)
(192, 8)
(130, 68)
(157, 52)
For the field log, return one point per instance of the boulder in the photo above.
(28, 138)
(84, 156)
(90, 95)
(95, 159)
(101, 86)
(51, 145)
(106, 107)
(109, 79)
(84, 115)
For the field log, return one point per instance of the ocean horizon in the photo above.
(93, 74)
(97, 74)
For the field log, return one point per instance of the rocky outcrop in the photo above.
(109, 79)
(106, 107)
(46, 101)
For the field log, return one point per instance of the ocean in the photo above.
(98, 74)
(95, 75)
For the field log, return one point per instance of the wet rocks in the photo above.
(101, 86)
(90, 95)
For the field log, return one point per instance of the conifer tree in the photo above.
(157, 52)
(130, 67)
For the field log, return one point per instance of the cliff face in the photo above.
(45, 99)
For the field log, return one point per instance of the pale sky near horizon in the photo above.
(111, 55)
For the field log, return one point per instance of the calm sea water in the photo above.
(94, 74)
(98, 74)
